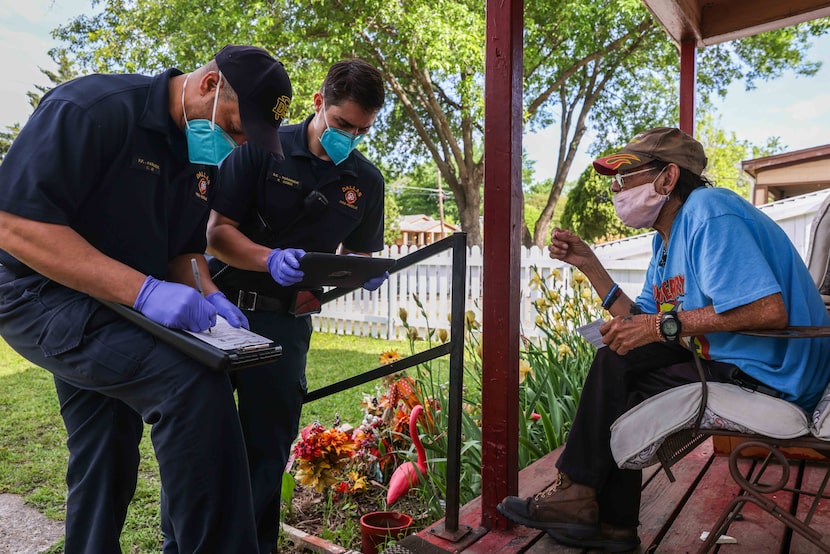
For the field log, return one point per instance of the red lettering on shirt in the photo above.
(669, 290)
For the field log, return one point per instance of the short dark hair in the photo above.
(686, 182)
(355, 80)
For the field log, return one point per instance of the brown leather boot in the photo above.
(565, 506)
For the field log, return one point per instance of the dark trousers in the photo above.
(614, 385)
(111, 378)
(270, 402)
(102, 436)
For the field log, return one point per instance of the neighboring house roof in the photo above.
(790, 173)
(421, 223)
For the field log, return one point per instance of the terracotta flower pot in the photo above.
(376, 528)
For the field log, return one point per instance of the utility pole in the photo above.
(441, 203)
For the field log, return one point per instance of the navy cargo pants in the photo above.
(270, 403)
(110, 376)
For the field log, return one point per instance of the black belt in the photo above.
(253, 301)
(751, 383)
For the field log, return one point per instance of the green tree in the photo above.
(604, 65)
(7, 137)
(535, 199)
(391, 219)
(417, 192)
(589, 211)
(725, 153)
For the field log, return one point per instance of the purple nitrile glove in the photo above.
(175, 305)
(375, 282)
(227, 310)
(284, 265)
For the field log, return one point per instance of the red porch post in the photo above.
(502, 255)
(687, 86)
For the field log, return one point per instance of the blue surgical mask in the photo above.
(338, 144)
(207, 142)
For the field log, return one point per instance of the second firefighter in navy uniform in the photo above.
(324, 196)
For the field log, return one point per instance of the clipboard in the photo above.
(322, 269)
(247, 349)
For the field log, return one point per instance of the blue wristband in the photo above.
(612, 296)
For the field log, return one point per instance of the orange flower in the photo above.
(321, 456)
(389, 356)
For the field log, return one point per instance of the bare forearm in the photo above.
(61, 254)
(229, 244)
(625, 333)
(180, 270)
(765, 313)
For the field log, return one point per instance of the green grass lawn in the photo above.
(32, 438)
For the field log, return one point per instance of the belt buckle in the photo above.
(242, 300)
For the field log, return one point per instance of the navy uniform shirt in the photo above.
(102, 155)
(267, 197)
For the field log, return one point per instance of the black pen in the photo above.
(198, 279)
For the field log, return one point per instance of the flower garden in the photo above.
(340, 471)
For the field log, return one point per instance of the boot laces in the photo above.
(550, 490)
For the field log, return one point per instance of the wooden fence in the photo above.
(377, 314)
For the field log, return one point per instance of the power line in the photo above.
(442, 191)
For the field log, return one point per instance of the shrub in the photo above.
(555, 366)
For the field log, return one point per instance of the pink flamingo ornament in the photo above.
(408, 475)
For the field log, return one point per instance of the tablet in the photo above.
(225, 348)
(335, 270)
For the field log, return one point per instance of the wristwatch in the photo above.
(670, 326)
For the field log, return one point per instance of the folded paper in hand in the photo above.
(591, 333)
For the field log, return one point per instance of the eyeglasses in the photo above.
(618, 178)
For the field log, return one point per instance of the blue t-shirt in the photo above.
(724, 252)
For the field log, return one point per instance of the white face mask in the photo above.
(639, 207)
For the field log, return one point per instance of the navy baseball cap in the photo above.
(263, 89)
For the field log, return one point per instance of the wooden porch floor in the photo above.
(672, 515)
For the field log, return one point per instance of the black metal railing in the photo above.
(454, 347)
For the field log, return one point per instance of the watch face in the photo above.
(669, 326)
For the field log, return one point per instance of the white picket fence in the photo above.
(376, 314)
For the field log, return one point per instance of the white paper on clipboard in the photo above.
(226, 337)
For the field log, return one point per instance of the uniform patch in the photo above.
(147, 165)
(350, 195)
(202, 184)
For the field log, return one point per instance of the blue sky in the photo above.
(795, 109)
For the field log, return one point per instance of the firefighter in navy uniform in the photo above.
(267, 214)
(106, 193)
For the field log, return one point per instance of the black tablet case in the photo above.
(334, 270)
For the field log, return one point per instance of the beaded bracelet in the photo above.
(657, 327)
(612, 296)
